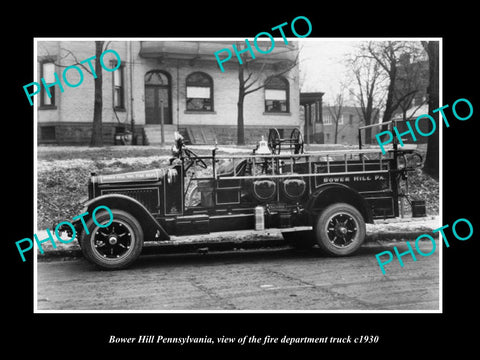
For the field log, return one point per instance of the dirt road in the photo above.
(273, 279)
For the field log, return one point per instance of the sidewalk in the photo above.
(398, 229)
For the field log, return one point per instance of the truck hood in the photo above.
(135, 176)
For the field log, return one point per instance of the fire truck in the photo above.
(315, 199)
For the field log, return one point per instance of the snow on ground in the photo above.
(406, 224)
(45, 165)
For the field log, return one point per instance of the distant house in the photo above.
(411, 115)
(348, 123)
(177, 80)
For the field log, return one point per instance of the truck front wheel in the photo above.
(116, 243)
(340, 229)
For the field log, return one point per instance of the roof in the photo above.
(414, 111)
(310, 97)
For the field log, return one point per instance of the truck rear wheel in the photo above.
(115, 246)
(340, 229)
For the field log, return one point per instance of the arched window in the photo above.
(156, 77)
(199, 92)
(277, 94)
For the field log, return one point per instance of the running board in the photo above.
(227, 235)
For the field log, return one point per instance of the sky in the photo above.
(322, 66)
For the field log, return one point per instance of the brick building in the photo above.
(413, 76)
(179, 79)
(348, 123)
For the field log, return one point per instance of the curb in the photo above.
(206, 245)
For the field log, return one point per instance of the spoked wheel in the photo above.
(340, 229)
(274, 141)
(296, 142)
(116, 243)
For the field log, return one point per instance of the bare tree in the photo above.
(336, 113)
(411, 80)
(97, 138)
(388, 55)
(251, 78)
(369, 93)
(431, 165)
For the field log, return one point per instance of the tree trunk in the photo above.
(336, 130)
(240, 127)
(97, 139)
(389, 106)
(431, 165)
(368, 120)
(241, 97)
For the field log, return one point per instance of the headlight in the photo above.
(172, 175)
(401, 162)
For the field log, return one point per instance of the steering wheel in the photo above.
(194, 159)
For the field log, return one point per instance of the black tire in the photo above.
(340, 230)
(115, 246)
(301, 240)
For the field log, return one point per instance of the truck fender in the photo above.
(328, 194)
(123, 202)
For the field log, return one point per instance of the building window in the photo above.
(118, 89)
(199, 92)
(350, 120)
(327, 119)
(277, 94)
(47, 72)
(157, 78)
(340, 120)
